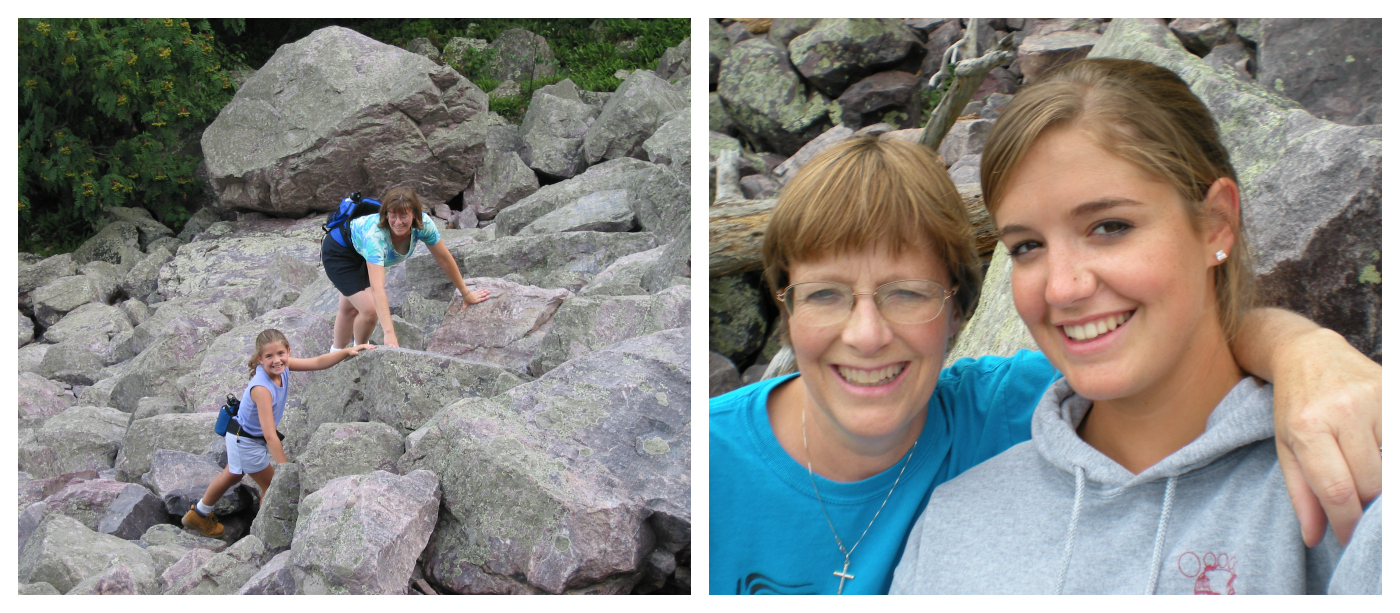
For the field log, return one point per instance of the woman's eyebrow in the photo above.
(1087, 209)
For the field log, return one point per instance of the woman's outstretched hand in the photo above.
(1327, 422)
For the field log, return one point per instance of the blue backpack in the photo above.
(226, 414)
(352, 207)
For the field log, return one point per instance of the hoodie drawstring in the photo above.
(1157, 550)
(1073, 526)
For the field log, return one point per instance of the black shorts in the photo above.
(345, 267)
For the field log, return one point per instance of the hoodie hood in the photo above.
(1244, 415)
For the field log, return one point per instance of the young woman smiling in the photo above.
(1152, 466)
(816, 478)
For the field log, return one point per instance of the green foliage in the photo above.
(108, 111)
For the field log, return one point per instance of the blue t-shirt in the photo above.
(767, 532)
(375, 245)
(248, 410)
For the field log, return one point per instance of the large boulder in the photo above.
(63, 552)
(553, 129)
(180, 479)
(538, 262)
(157, 369)
(505, 330)
(520, 55)
(502, 180)
(631, 115)
(995, 328)
(363, 534)
(205, 572)
(79, 438)
(232, 263)
(36, 275)
(117, 243)
(1311, 188)
(588, 323)
(337, 112)
(188, 432)
(56, 298)
(670, 143)
(660, 194)
(343, 449)
(738, 320)
(26, 329)
(71, 363)
(768, 100)
(277, 512)
(624, 276)
(838, 52)
(399, 387)
(605, 211)
(568, 481)
(40, 399)
(223, 367)
(282, 286)
(86, 500)
(95, 327)
(1330, 66)
(133, 513)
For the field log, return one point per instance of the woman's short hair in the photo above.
(867, 192)
(1148, 116)
(401, 199)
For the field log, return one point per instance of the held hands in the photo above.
(354, 351)
(1327, 423)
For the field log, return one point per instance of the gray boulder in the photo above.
(557, 484)
(63, 553)
(31, 355)
(59, 296)
(40, 588)
(277, 512)
(671, 268)
(605, 211)
(675, 62)
(117, 243)
(536, 262)
(624, 276)
(1311, 189)
(156, 370)
(967, 137)
(738, 326)
(502, 180)
(337, 112)
(661, 195)
(632, 114)
(724, 377)
(204, 572)
(79, 438)
(148, 229)
(283, 284)
(769, 102)
(170, 535)
(95, 327)
(363, 534)
(1042, 51)
(36, 275)
(26, 329)
(39, 399)
(86, 500)
(343, 449)
(226, 263)
(116, 580)
(133, 513)
(106, 277)
(505, 330)
(191, 433)
(586, 324)
(197, 223)
(425, 48)
(520, 55)
(456, 49)
(670, 144)
(180, 479)
(1330, 66)
(275, 577)
(838, 52)
(890, 96)
(553, 129)
(71, 363)
(152, 406)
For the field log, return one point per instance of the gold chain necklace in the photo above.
(844, 573)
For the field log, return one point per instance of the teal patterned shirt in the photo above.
(374, 243)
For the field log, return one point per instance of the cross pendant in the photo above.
(844, 576)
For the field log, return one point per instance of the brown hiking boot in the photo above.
(208, 524)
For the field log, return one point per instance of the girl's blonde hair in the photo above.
(866, 192)
(265, 338)
(1148, 116)
(401, 199)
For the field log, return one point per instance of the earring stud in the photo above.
(1220, 256)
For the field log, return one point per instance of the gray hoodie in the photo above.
(1054, 515)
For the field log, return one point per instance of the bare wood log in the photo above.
(967, 77)
(737, 229)
(423, 585)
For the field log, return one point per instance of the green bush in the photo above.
(108, 112)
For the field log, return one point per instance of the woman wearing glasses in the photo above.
(817, 477)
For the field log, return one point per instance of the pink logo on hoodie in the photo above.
(1214, 572)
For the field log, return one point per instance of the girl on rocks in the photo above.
(249, 440)
(376, 242)
(817, 477)
(1152, 466)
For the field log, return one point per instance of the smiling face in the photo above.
(400, 222)
(867, 377)
(1109, 274)
(273, 358)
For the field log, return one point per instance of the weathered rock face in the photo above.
(86, 501)
(190, 433)
(505, 330)
(343, 449)
(205, 572)
(586, 324)
(71, 364)
(36, 275)
(1311, 189)
(521, 55)
(661, 196)
(79, 438)
(1330, 66)
(995, 327)
(537, 262)
(222, 262)
(59, 296)
(737, 322)
(363, 534)
(63, 552)
(889, 96)
(616, 421)
(767, 99)
(96, 328)
(180, 479)
(632, 114)
(337, 112)
(606, 211)
(277, 514)
(838, 52)
(116, 243)
(553, 129)
(670, 144)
